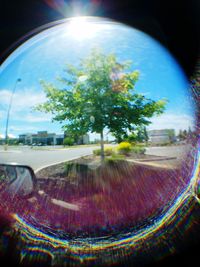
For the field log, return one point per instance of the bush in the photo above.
(74, 168)
(139, 144)
(108, 151)
(97, 152)
(165, 144)
(68, 141)
(138, 150)
(115, 158)
(124, 148)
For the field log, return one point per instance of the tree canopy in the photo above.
(99, 94)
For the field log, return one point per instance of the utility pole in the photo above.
(8, 114)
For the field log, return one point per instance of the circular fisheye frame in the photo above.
(106, 118)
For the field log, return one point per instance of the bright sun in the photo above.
(81, 28)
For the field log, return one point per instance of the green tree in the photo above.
(180, 135)
(171, 134)
(68, 141)
(189, 131)
(132, 137)
(99, 94)
(142, 135)
(185, 134)
(139, 135)
(146, 137)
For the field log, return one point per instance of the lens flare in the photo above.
(80, 28)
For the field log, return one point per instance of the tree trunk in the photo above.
(102, 148)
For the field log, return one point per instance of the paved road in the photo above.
(41, 158)
(44, 157)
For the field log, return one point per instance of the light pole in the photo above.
(8, 114)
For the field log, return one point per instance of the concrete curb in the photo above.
(56, 163)
(10, 151)
(156, 159)
(153, 165)
(147, 163)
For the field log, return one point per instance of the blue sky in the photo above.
(45, 55)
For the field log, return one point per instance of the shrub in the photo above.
(124, 148)
(74, 167)
(165, 144)
(115, 158)
(139, 144)
(68, 141)
(138, 150)
(108, 151)
(97, 152)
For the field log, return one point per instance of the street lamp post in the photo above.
(8, 114)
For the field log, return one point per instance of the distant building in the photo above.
(25, 139)
(59, 139)
(41, 138)
(161, 136)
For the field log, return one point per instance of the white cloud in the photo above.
(172, 121)
(22, 129)
(29, 117)
(9, 135)
(38, 118)
(5, 97)
(22, 105)
(23, 99)
(34, 117)
(2, 114)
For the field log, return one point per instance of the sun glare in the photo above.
(81, 28)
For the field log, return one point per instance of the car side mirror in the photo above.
(17, 180)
